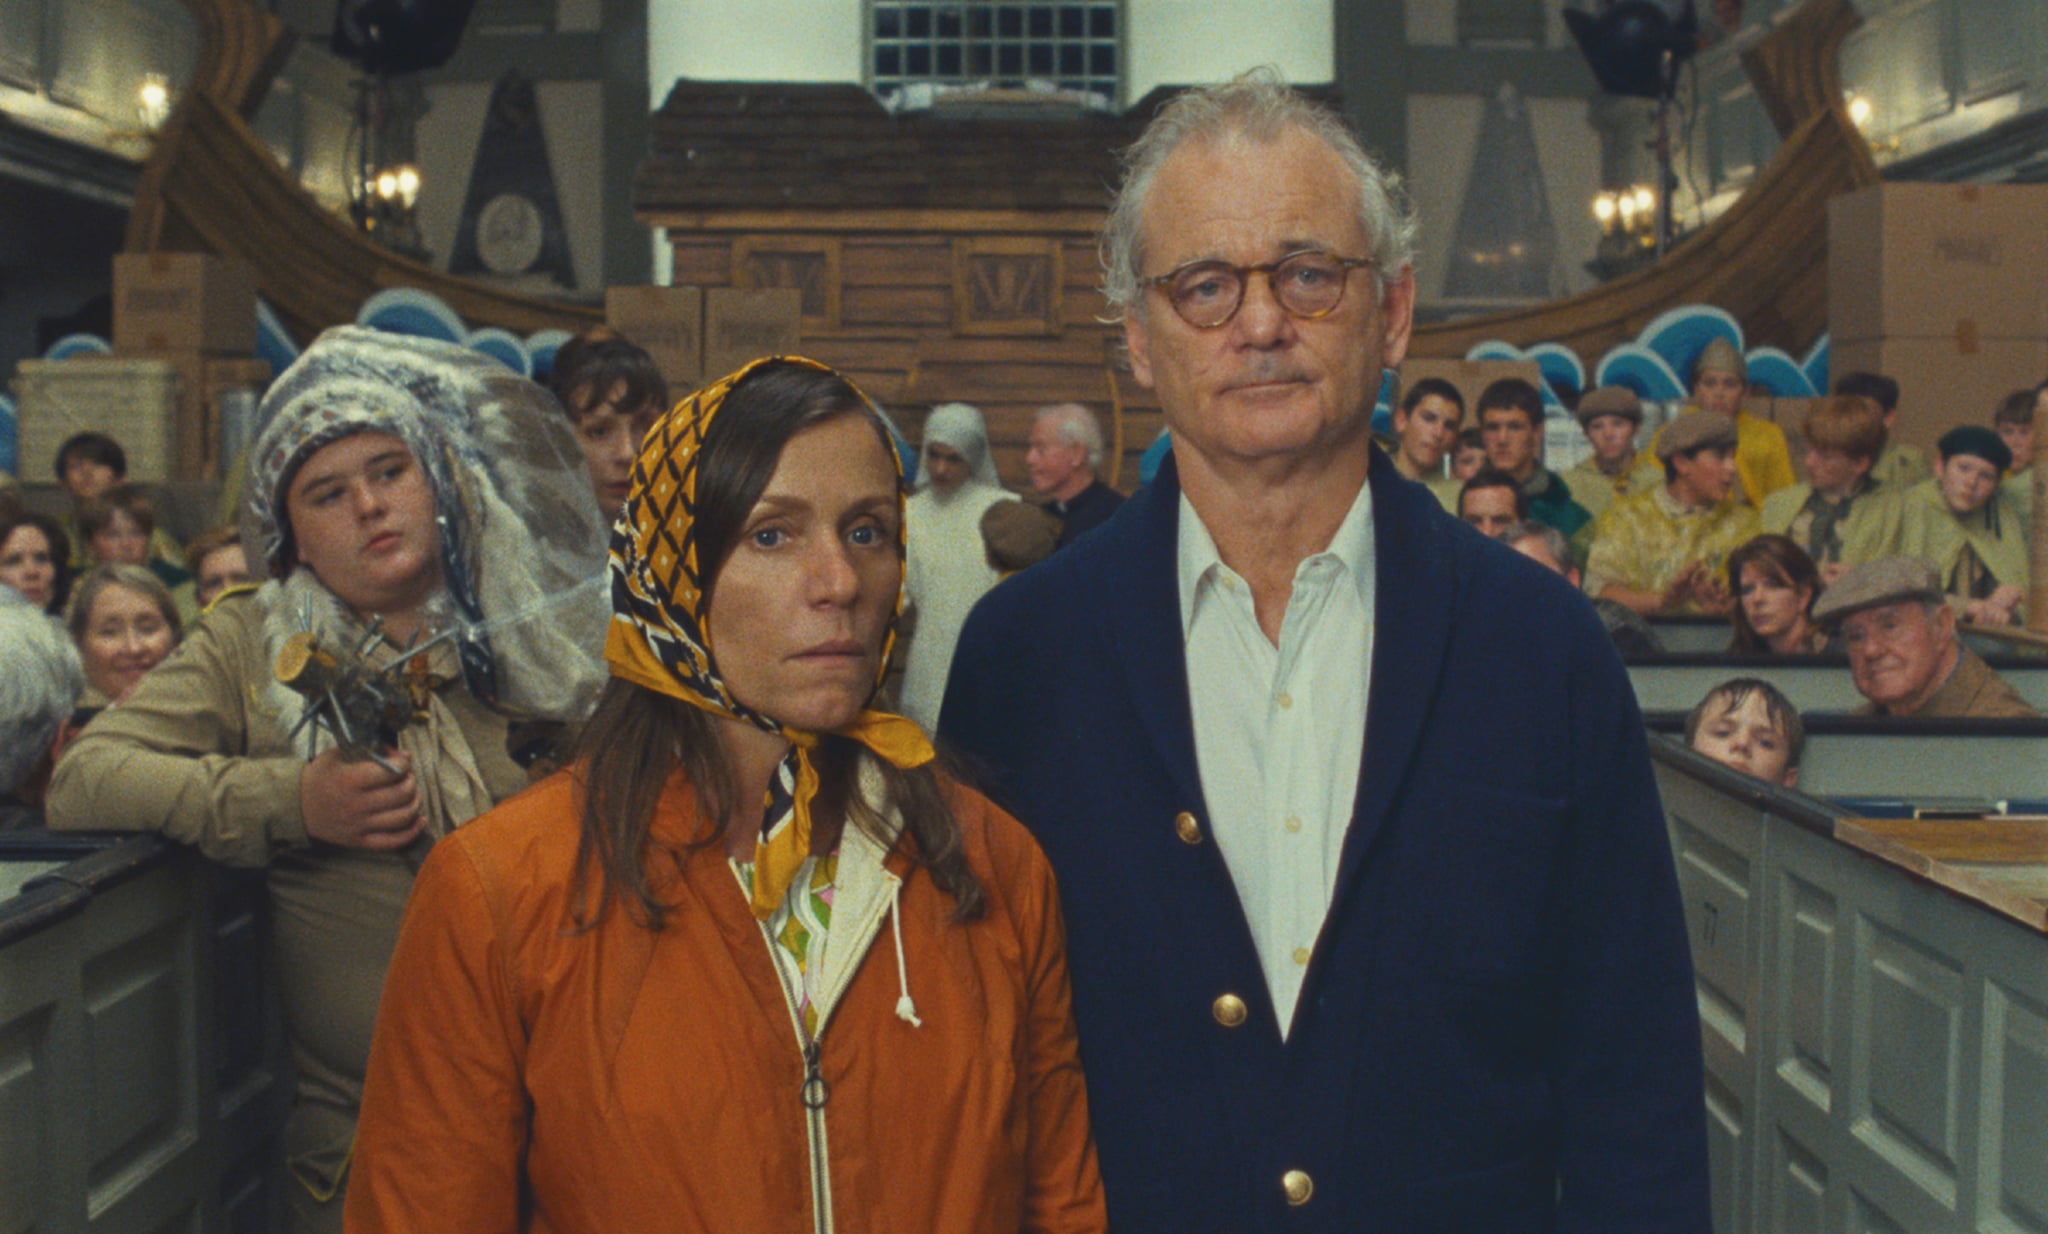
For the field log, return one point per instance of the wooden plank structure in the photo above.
(940, 259)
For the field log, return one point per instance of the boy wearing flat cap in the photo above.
(1662, 551)
(1609, 417)
(1763, 461)
(1896, 624)
(1973, 535)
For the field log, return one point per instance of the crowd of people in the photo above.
(1704, 518)
(755, 949)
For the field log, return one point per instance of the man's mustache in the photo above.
(1267, 370)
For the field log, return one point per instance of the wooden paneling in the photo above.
(898, 328)
(1893, 1074)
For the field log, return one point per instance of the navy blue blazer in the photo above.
(1498, 1031)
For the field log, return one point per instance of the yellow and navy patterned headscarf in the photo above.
(660, 635)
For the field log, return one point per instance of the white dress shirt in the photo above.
(1280, 731)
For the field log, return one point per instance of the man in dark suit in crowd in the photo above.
(1373, 921)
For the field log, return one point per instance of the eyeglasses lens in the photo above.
(1307, 285)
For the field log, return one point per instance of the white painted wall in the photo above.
(1181, 42)
(751, 40)
(1166, 41)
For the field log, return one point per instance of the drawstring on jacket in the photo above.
(905, 1009)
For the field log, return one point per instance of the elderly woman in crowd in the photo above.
(1774, 584)
(35, 558)
(947, 567)
(40, 680)
(400, 493)
(648, 995)
(124, 622)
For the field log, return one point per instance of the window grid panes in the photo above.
(1002, 42)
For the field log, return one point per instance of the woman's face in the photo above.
(121, 542)
(610, 436)
(126, 635)
(800, 609)
(362, 516)
(26, 565)
(1772, 605)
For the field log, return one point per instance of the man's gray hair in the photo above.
(1076, 426)
(1259, 105)
(40, 681)
(1554, 542)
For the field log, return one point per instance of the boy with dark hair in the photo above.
(2014, 424)
(1493, 501)
(1511, 423)
(89, 464)
(1662, 551)
(1425, 428)
(1748, 725)
(1468, 457)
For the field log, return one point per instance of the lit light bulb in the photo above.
(153, 101)
(1627, 206)
(408, 185)
(1644, 198)
(1860, 111)
(1603, 208)
(387, 185)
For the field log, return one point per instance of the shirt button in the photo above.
(1285, 700)
(1185, 826)
(1298, 1186)
(1293, 822)
(1229, 1010)
(1301, 955)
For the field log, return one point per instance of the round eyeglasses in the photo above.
(1207, 294)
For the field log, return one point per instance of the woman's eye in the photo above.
(866, 535)
(768, 537)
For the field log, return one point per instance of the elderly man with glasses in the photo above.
(1373, 924)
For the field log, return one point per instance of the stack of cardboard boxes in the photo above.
(1943, 288)
(698, 334)
(196, 313)
(184, 341)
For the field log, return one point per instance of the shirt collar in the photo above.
(1351, 547)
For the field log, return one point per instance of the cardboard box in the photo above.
(203, 380)
(1957, 261)
(184, 302)
(1942, 384)
(744, 323)
(134, 401)
(668, 323)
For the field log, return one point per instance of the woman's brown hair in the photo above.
(12, 520)
(639, 739)
(1778, 557)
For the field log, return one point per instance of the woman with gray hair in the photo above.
(946, 566)
(40, 681)
(432, 619)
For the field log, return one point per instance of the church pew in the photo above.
(143, 1076)
(1873, 996)
(1820, 683)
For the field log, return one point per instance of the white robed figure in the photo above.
(946, 567)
